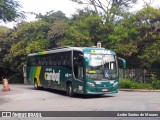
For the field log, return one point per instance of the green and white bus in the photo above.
(82, 70)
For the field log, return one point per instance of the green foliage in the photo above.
(16, 78)
(52, 16)
(136, 36)
(149, 28)
(128, 84)
(84, 30)
(153, 76)
(57, 25)
(121, 39)
(9, 10)
(4, 31)
(25, 39)
(57, 32)
(156, 84)
(30, 37)
(29, 31)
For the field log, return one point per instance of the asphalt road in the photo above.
(26, 98)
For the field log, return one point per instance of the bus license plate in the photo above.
(104, 90)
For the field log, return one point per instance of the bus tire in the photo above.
(36, 85)
(70, 90)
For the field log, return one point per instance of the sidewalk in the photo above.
(140, 90)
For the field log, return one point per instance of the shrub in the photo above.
(127, 83)
(155, 84)
(16, 78)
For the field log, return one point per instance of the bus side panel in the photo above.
(65, 76)
(34, 72)
(31, 72)
(78, 86)
(55, 77)
(41, 77)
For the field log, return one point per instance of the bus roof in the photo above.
(88, 50)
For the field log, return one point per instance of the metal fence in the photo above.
(140, 75)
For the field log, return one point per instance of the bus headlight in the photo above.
(115, 84)
(90, 84)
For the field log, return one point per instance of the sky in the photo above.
(42, 6)
(66, 6)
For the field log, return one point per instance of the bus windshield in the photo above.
(101, 67)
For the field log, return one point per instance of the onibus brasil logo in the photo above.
(52, 76)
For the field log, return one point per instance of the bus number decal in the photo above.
(52, 76)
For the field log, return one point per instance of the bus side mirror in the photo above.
(86, 61)
(123, 62)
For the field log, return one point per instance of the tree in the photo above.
(26, 38)
(136, 38)
(51, 16)
(4, 31)
(57, 23)
(57, 32)
(4, 48)
(29, 37)
(84, 30)
(123, 39)
(149, 28)
(106, 5)
(9, 10)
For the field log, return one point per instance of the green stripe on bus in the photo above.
(32, 74)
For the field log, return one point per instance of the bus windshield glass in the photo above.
(101, 67)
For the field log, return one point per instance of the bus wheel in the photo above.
(36, 85)
(69, 90)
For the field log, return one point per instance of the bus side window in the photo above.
(60, 59)
(63, 59)
(50, 60)
(69, 60)
(46, 60)
(29, 61)
(56, 59)
(53, 60)
(33, 62)
(39, 61)
(42, 62)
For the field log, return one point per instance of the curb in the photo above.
(139, 90)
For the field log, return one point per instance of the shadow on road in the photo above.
(63, 93)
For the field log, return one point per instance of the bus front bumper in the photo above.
(103, 90)
(101, 93)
